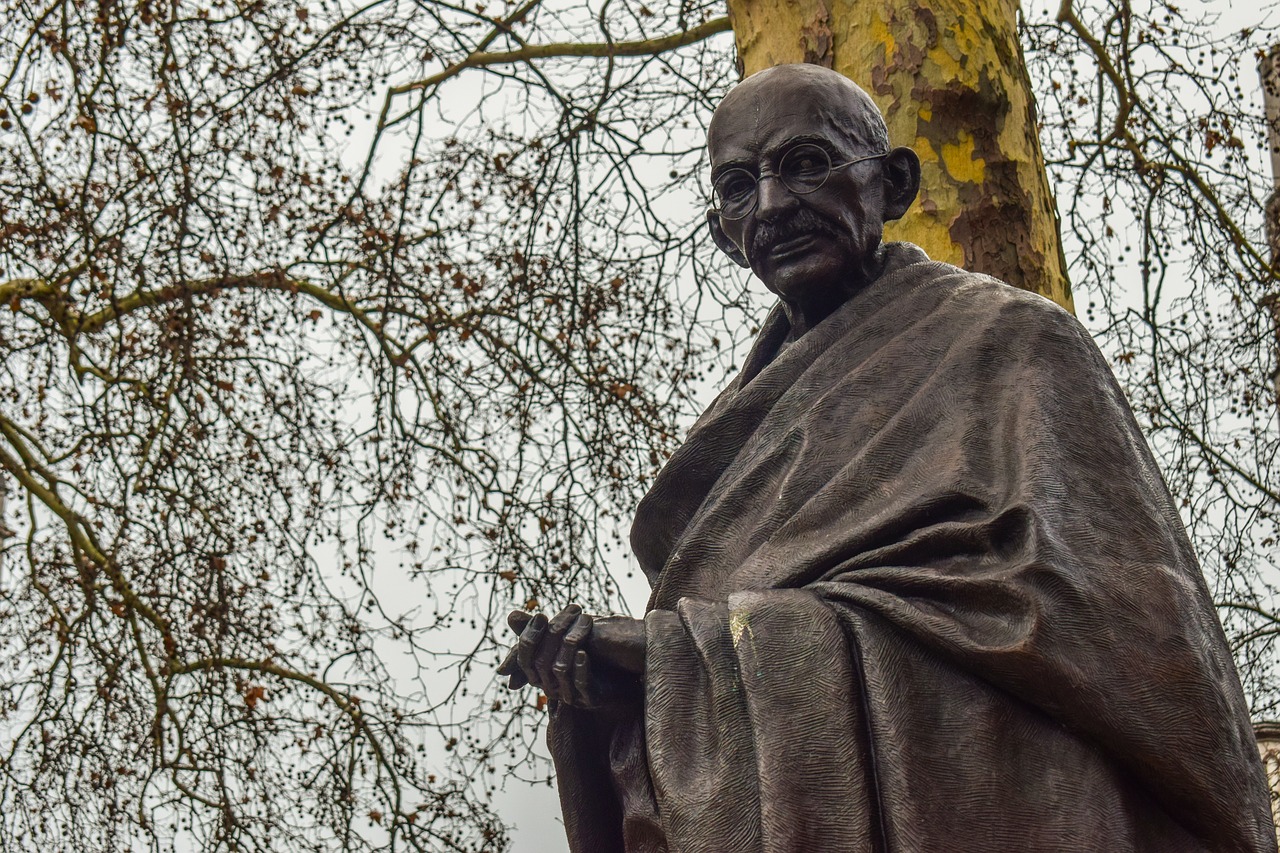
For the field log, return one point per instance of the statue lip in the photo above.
(785, 249)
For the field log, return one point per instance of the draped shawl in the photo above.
(918, 585)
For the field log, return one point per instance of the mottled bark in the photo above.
(950, 79)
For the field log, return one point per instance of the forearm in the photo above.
(618, 642)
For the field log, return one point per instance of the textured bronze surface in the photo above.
(918, 584)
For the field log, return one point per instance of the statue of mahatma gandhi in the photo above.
(917, 582)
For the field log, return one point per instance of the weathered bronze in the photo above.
(917, 582)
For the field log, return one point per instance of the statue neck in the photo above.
(806, 313)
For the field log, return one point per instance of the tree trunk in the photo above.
(950, 79)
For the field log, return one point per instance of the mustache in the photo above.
(799, 224)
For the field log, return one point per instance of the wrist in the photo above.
(619, 642)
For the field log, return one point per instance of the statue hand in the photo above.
(550, 654)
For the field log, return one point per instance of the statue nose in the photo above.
(773, 197)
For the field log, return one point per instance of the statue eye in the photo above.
(735, 187)
(804, 168)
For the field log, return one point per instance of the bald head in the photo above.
(835, 101)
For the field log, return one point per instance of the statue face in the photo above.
(818, 246)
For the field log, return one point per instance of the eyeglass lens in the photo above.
(803, 169)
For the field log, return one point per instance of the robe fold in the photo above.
(918, 585)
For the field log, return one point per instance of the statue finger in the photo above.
(508, 664)
(582, 693)
(511, 667)
(546, 663)
(545, 656)
(567, 657)
(565, 619)
(557, 687)
(518, 619)
(530, 640)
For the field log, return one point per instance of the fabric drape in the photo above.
(918, 585)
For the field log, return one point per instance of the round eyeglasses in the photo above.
(802, 170)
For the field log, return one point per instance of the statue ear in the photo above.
(901, 182)
(726, 245)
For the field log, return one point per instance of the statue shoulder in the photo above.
(984, 318)
(987, 299)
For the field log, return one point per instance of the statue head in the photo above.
(804, 182)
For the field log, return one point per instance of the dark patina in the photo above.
(917, 582)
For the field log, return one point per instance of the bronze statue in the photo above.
(917, 582)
